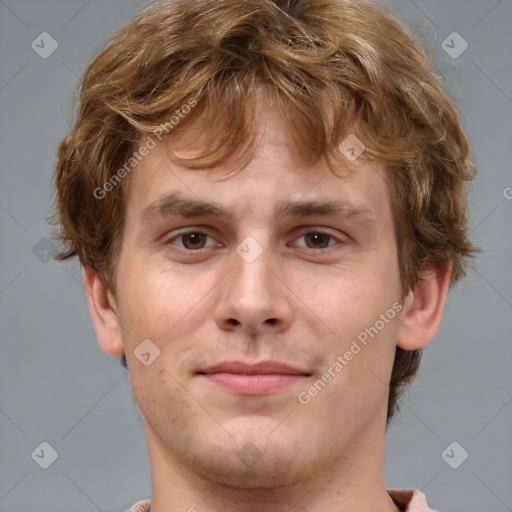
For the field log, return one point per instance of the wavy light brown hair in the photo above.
(334, 67)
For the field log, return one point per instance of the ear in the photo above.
(104, 314)
(423, 308)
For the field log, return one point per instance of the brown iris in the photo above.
(317, 239)
(193, 240)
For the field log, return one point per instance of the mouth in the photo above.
(260, 378)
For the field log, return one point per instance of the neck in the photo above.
(353, 480)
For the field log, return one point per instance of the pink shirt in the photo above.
(407, 501)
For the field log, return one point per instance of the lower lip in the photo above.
(254, 384)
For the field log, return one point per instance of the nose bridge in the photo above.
(252, 297)
(253, 280)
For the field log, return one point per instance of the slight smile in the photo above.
(260, 378)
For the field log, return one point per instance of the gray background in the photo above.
(56, 385)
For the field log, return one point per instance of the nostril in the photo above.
(233, 321)
(271, 320)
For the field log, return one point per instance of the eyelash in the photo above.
(329, 248)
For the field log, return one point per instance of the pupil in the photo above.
(194, 239)
(317, 239)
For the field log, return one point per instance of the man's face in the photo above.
(277, 279)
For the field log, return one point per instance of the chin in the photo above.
(254, 459)
(269, 472)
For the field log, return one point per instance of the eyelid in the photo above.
(187, 231)
(302, 231)
(312, 229)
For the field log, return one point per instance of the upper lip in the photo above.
(260, 368)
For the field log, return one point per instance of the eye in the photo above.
(318, 240)
(191, 240)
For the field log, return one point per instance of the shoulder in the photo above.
(140, 506)
(410, 500)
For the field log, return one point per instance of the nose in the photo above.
(252, 299)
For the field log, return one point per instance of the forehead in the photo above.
(275, 176)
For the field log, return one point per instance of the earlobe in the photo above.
(423, 308)
(103, 314)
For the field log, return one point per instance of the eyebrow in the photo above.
(175, 204)
(340, 208)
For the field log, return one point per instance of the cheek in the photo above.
(155, 300)
(170, 309)
(160, 397)
(355, 299)
(360, 307)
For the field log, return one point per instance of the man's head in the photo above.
(285, 115)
